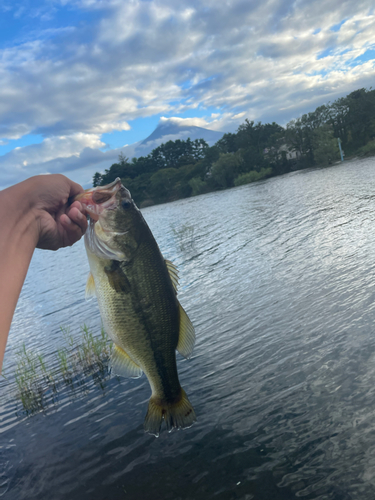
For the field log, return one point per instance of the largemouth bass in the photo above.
(136, 291)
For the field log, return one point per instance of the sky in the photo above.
(80, 79)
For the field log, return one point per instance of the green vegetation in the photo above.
(184, 237)
(252, 176)
(38, 385)
(368, 149)
(179, 169)
(32, 377)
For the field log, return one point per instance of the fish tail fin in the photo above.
(179, 415)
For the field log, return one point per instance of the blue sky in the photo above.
(79, 79)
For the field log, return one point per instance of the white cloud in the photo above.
(32, 160)
(58, 147)
(238, 115)
(102, 128)
(196, 122)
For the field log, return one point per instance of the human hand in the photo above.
(57, 223)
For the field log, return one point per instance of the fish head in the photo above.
(114, 223)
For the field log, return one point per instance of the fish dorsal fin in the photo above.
(90, 287)
(186, 338)
(122, 364)
(173, 273)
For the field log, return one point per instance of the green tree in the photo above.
(162, 183)
(139, 188)
(360, 117)
(337, 117)
(227, 144)
(197, 186)
(116, 170)
(225, 169)
(325, 146)
(97, 179)
(252, 176)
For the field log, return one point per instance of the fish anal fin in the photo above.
(173, 273)
(186, 338)
(90, 287)
(122, 364)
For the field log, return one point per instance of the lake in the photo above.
(278, 278)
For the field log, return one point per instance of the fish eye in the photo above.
(126, 204)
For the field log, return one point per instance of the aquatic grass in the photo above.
(93, 351)
(29, 379)
(184, 236)
(47, 374)
(63, 363)
(67, 336)
(38, 384)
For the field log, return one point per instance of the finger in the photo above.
(79, 206)
(73, 231)
(76, 216)
(74, 188)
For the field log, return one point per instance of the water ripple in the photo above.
(278, 279)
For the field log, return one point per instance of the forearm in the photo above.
(18, 239)
(33, 213)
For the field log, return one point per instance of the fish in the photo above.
(136, 290)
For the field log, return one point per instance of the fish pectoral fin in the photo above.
(122, 364)
(186, 338)
(173, 273)
(116, 278)
(90, 287)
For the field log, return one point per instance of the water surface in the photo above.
(278, 279)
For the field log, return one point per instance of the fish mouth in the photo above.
(96, 200)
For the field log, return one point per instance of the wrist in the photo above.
(19, 221)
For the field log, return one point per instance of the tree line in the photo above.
(179, 169)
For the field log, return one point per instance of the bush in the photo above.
(252, 176)
(368, 149)
(224, 170)
(197, 185)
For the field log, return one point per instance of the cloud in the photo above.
(53, 147)
(196, 122)
(268, 61)
(238, 115)
(143, 57)
(49, 156)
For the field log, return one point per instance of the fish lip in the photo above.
(91, 199)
